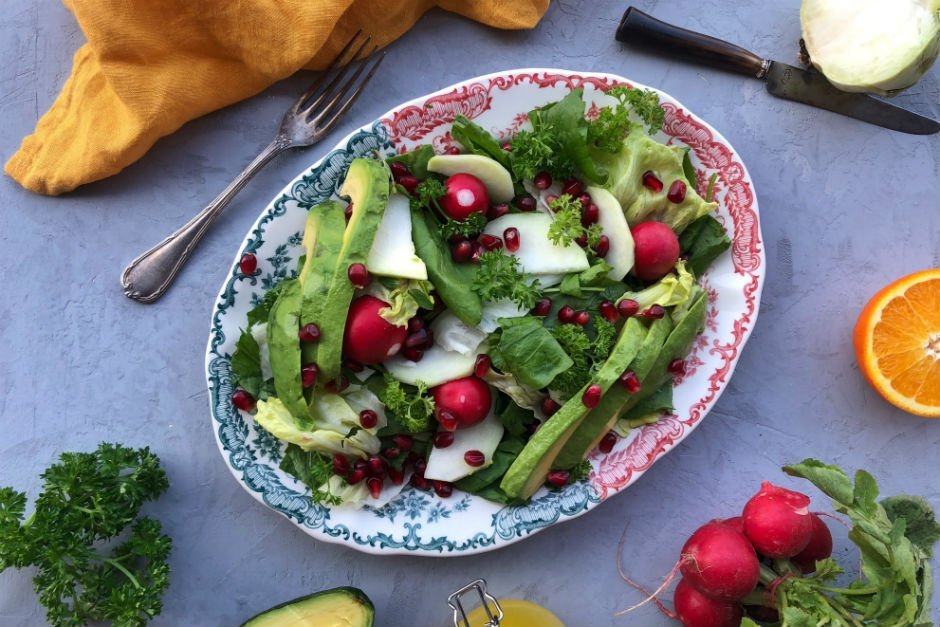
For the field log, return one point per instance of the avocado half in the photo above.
(338, 607)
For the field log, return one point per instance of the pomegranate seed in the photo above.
(474, 458)
(592, 396)
(368, 419)
(415, 324)
(397, 477)
(420, 466)
(490, 242)
(456, 238)
(243, 400)
(677, 366)
(507, 147)
(308, 375)
(443, 439)
(340, 465)
(409, 182)
(447, 420)
(418, 339)
(420, 482)
(482, 365)
(533, 426)
(603, 246)
(676, 192)
(412, 457)
(511, 236)
(497, 211)
(377, 466)
(549, 406)
(399, 169)
(357, 475)
(347, 212)
(478, 251)
(607, 443)
(566, 315)
(573, 187)
(462, 252)
(582, 318)
(651, 182)
(412, 354)
(358, 275)
(590, 215)
(543, 180)
(361, 464)
(337, 385)
(525, 203)
(558, 478)
(452, 150)
(628, 307)
(404, 442)
(550, 201)
(248, 263)
(630, 382)
(581, 240)
(309, 333)
(585, 200)
(655, 312)
(352, 364)
(391, 452)
(375, 486)
(609, 312)
(443, 489)
(542, 308)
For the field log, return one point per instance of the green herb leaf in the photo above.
(689, 170)
(471, 226)
(613, 123)
(416, 160)
(921, 524)
(410, 406)
(313, 469)
(702, 242)
(566, 120)
(528, 351)
(476, 140)
(499, 276)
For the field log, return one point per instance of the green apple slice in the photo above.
(393, 251)
(615, 227)
(537, 254)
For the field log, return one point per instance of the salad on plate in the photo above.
(482, 320)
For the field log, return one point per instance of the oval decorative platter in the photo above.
(417, 522)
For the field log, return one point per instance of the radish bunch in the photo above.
(721, 562)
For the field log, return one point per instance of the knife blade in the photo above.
(782, 80)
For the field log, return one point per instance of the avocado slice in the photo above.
(528, 471)
(338, 607)
(367, 186)
(620, 401)
(285, 350)
(323, 239)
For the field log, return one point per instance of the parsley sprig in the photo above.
(613, 123)
(472, 226)
(567, 227)
(499, 276)
(587, 354)
(540, 150)
(412, 409)
(87, 500)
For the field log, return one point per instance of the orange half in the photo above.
(897, 343)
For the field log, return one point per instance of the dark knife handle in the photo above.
(640, 28)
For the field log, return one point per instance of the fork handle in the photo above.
(147, 278)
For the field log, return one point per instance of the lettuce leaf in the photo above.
(673, 289)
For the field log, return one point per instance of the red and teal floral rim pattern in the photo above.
(420, 523)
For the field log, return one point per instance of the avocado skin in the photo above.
(311, 608)
(367, 185)
(528, 471)
(285, 350)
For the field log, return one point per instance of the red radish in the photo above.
(370, 338)
(720, 562)
(467, 399)
(695, 609)
(777, 521)
(465, 195)
(736, 523)
(819, 547)
(656, 250)
(676, 366)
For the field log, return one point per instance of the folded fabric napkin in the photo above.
(152, 65)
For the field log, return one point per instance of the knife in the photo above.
(783, 81)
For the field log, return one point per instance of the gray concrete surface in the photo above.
(846, 208)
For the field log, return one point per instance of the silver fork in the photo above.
(307, 121)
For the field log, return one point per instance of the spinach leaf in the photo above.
(595, 276)
(416, 160)
(566, 119)
(703, 241)
(515, 419)
(452, 281)
(921, 524)
(476, 140)
(246, 365)
(530, 352)
(658, 401)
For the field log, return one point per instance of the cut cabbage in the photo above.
(537, 254)
(260, 333)
(453, 334)
(494, 310)
(877, 46)
(495, 177)
(393, 251)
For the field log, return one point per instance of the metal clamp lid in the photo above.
(487, 600)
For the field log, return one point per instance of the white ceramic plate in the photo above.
(418, 522)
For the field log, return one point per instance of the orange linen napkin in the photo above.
(152, 65)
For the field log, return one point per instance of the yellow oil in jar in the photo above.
(517, 613)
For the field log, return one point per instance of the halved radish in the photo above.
(495, 177)
(436, 366)
(448, 464)
(537, 254)
(615, 227)
(393, 251)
